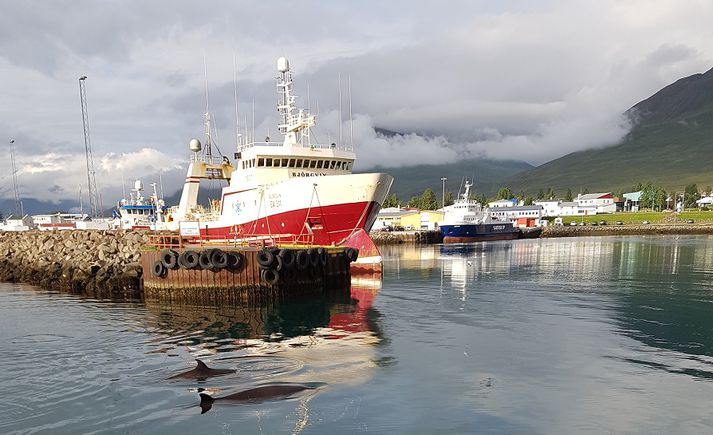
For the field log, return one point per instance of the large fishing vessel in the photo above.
(468, 221)
(292, 191)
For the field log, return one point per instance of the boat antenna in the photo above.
(340, 108)
(81, 206)
(253, 120)
(351, 120)
(206, 116)
(123, 185)
(160, 182)
(235, 96)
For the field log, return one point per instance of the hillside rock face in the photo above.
(669, 145)
(680, 99)
(96, 263)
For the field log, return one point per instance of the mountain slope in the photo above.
(489, 176)
(670, 145)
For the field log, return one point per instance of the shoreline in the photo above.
(433, 237)
(626, 230)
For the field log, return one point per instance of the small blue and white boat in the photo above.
(138, 212)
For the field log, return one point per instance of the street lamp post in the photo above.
(443, 195)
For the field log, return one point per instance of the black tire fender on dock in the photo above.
(288, 258)
(265, 259)
(313, 257)
(322, 256)
(158, 269)
(204, 259)
(302, 259)
(351, 254)
(270, 276)
(218, 259)
(235, 260)
(188, 259)
(169, 258)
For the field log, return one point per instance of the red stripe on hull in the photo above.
(330, 224)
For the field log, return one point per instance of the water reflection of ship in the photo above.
(329, 340)
(273, 319)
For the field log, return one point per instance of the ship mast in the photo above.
(291, 124)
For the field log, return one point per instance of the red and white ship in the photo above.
(293, 191)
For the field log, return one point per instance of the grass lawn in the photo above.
(653, 217)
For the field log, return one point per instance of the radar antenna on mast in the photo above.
(291, 124)
(93, 192)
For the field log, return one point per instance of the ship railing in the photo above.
(211, 160)
(165, 241)
(239, 238)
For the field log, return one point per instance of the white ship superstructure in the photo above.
(293, 190)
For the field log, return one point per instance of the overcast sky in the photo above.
(526, 80)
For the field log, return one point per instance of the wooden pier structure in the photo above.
(227, 272)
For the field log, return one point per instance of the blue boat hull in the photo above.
(465, 233)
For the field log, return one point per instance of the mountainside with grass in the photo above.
(670, 144)
(489, 176)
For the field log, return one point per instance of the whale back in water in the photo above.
(258, 394)
(202, 372)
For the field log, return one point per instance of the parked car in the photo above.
(581, 224)
(690, 221)
(619, 223)
(573, 224)
(594, 223)
(602, 222)
(645, 222)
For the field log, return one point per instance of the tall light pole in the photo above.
(443, 195)
(95, 207)
(19, 212)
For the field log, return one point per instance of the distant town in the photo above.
(424, 212)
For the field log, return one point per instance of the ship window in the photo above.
(261, 162)
(298, 163)
(349, 166)
(332, 164)
(284, 163)
(292, 163)
(319, 164)
(338, 165)
(268, 162)
(312, 163)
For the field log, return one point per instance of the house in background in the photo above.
(601, 202)
(631, 201)
(520, 216)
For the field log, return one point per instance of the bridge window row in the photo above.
(274, 162)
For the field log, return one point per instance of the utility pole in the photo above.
(443, 196)
(19, 212)
(93, 192)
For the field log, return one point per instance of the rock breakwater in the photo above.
(96, 263)
(397, 237)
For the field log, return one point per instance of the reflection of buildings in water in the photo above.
(409, 256)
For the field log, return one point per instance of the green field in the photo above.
(636, 218)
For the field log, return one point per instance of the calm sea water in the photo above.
(587, 335)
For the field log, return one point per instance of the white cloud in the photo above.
(527, 80)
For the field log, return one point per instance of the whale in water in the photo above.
(259, 394)
(202, 372)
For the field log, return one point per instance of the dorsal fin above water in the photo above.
(201, 365)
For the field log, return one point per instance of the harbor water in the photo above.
(544, 336)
